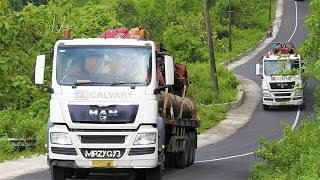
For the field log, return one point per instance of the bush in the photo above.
(5, 146)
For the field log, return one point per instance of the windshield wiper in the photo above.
(88, 82)
(129, 83)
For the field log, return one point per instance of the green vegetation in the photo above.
(31, 30)
(297, 156)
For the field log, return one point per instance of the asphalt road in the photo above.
(223, 164)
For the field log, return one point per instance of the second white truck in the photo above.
(282, 83)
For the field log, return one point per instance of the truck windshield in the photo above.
(280, 67)
(103, 65)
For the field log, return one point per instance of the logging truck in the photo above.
(118, 104)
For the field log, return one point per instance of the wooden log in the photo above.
(176, 103)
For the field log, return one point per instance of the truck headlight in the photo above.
(145, 139)
(266, 94)
(298, 92)
(60, 138)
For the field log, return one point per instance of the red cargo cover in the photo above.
(116, 33)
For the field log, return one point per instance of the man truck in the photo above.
(113, 107)
(282, 83)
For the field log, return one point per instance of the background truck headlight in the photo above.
(266, 94)
(298, 92)
(145, 139)
(60, 138)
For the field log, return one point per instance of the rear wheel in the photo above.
(60, 173)
(181, 158)
(193, 149)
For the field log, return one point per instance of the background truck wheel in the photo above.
(169, 160)
(302, 107)
(60, 173)
(265, 107)
(155, 173)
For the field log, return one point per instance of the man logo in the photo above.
(103, 118)
(103, 114)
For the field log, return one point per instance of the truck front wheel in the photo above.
(60, 173)
(155, 173)
(265, 107)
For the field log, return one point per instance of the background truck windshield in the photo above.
(96, 65)
(283, 67)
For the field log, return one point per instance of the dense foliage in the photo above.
(27, 30)
(311, 47)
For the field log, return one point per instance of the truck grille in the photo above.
(282, 85)
(102, 139)
(282, 99)
(283, 94)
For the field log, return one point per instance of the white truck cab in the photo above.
(282, 83)
(102, 116)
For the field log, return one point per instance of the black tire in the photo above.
(181, 157)
(169, 160)
(189, 149)
(81, 173)
(302, 107)
(265, 107)
(60, 173)
(155, 173)
(194, 147)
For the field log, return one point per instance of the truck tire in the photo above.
(194, 147)
(189, 149)
(181, 157)
(60, 173)
(265, 107)
(169, 160)
(155, 173)
(302, 107)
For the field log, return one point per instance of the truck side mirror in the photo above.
(258, 70)
(39, 71)
(169, 70)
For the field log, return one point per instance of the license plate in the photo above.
(283, 103)
(103, 163)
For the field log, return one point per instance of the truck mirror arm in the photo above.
(157, 90)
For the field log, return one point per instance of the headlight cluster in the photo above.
(145, 139)
(266, 94)
(298, 92)
(60, 138)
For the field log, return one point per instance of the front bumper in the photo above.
(133, 156)
(286, 101)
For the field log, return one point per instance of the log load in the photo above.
(183, 107)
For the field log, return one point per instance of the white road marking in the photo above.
(295, 28)
(295, 121)
(224, 158)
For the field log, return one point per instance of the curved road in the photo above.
(232, 158)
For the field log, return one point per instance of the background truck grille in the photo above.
(282, 99)
(282, 85)
(282, 94)
(102, 139)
